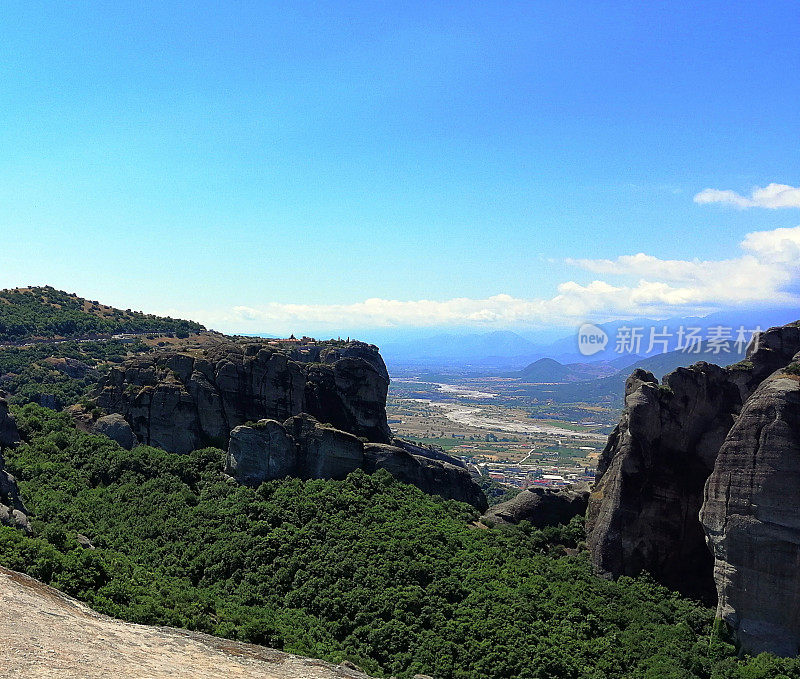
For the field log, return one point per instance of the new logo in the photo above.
(591, 339)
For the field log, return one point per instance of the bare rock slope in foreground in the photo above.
(47, 634)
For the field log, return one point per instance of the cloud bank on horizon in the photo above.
(766, 273)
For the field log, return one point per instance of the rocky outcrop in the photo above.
(9, 436)
(117, 429)
(181, 402)
(542, 506)
(259, 452)
(751, 515)
(644, 505)
(711, 452)
(71, 367)
(12, 511)
(307, 449)
(434, 475)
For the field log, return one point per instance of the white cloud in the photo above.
(643, 285)
(780, 246)
(772, 196)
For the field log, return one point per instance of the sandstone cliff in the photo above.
(644, 505)
(751, 515)
(304, 448)
(734, 431)
(181, 402)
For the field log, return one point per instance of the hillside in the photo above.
(547, 370)
(611, 389)
(361, 568)
(366, 569)
(44, 312)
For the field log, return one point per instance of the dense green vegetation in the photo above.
(366, 569)
(47, 312)
(59, 374)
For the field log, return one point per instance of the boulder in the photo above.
(751, 516)
(324, 452)
(117, 429)
(542, 506)
(181, 402)
(260, 452)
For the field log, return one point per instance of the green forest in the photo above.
(40, 373)
(366, 569)
(46, 312)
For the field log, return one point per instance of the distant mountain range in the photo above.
(503, 351)
(611, 387)
(499, 349)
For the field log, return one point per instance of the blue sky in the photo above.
(273, 166)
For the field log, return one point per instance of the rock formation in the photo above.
(9, 436)
(736, 433)
(12, 511)
(117, 429)
(644, 505)
(447, 478)
(181, 402)
(751, 515)
(305, 448)
(542, 506)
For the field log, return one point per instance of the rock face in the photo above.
(644, 505)
(304, 448)
(444, 477)
(751, 515)
(542, 506)
(711, 453)
(9, 436)
(117, 429)
(181, 402)
(12, 511)
(71, 367)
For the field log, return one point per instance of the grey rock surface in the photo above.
(324, 452)
(117, 429)
(542, 506)
(751, 515)
(713, 453)
(259, 452)
(436, 475)
(9, 436)
(306, 448)
(12, 510)
(182, 402)
(643, 509)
